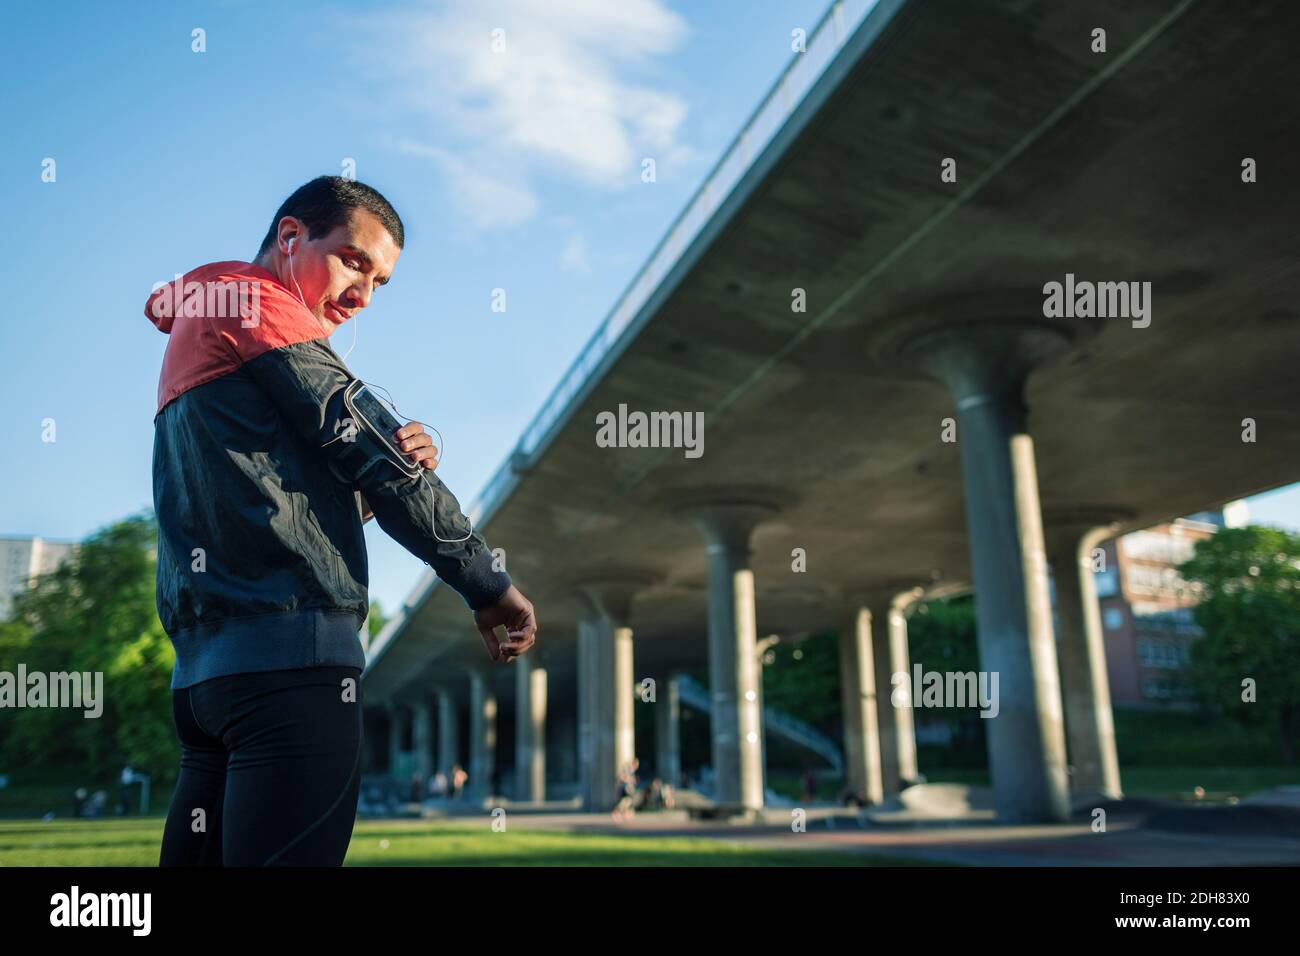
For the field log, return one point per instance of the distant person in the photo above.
(458, 778)
(656, 795)
(659, 795)
(809, 786)
(438, 785)
(627, 790)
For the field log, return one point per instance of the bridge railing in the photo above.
(693, 694)
(821, 46)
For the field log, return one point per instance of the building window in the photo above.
(1146, 579)
(1156, 546)
(1114, 618)
(1161, 653)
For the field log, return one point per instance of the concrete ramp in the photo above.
(936, 802)
(941, 799)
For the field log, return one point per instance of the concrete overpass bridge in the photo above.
(921, 423)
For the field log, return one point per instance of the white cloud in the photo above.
(571, 93)
(486, 201)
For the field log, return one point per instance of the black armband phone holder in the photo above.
(366, 433)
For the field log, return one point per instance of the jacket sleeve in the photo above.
(305, 380)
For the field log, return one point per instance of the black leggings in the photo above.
(272, 759)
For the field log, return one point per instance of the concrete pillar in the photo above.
(859, 701)
(624, 703)
(448, 735)
(1081, 647)
(561, 749)
(422, 743)
(586, 693)
(596, 638)
(901, 660)
(887, 620)
(530, 729)
(482, 735)
(882, 650)
(985, 365)
(396, 731)
(668, 734)
(727, 525)
(761, 647)
(606, 643)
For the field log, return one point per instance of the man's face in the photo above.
(337, 273)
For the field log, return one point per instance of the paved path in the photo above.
(1126, 843)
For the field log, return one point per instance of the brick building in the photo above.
(1146, 608)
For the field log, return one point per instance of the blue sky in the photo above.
(167, 158)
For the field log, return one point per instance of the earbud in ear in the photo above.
(292, 240)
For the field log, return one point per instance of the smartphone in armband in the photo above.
(376, 426)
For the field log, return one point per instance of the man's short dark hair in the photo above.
(327, 202)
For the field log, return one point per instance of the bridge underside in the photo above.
(1123, 166)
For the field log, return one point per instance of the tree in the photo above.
(95, 613)
(1248, 662)
(803, 680)
(941, 636)
(377, 618)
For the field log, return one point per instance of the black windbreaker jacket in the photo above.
(261, 555)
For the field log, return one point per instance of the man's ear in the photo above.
(290, 230)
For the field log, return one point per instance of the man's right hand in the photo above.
(515, 613)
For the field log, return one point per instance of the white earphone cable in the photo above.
(393, 405)
(355, 319)
(442, 446)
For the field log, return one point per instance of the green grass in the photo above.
(1178, 782)
(474, 844)
(135, 842)
(120, 842)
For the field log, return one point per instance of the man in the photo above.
(261, 487)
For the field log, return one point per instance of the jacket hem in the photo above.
(267, 642)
